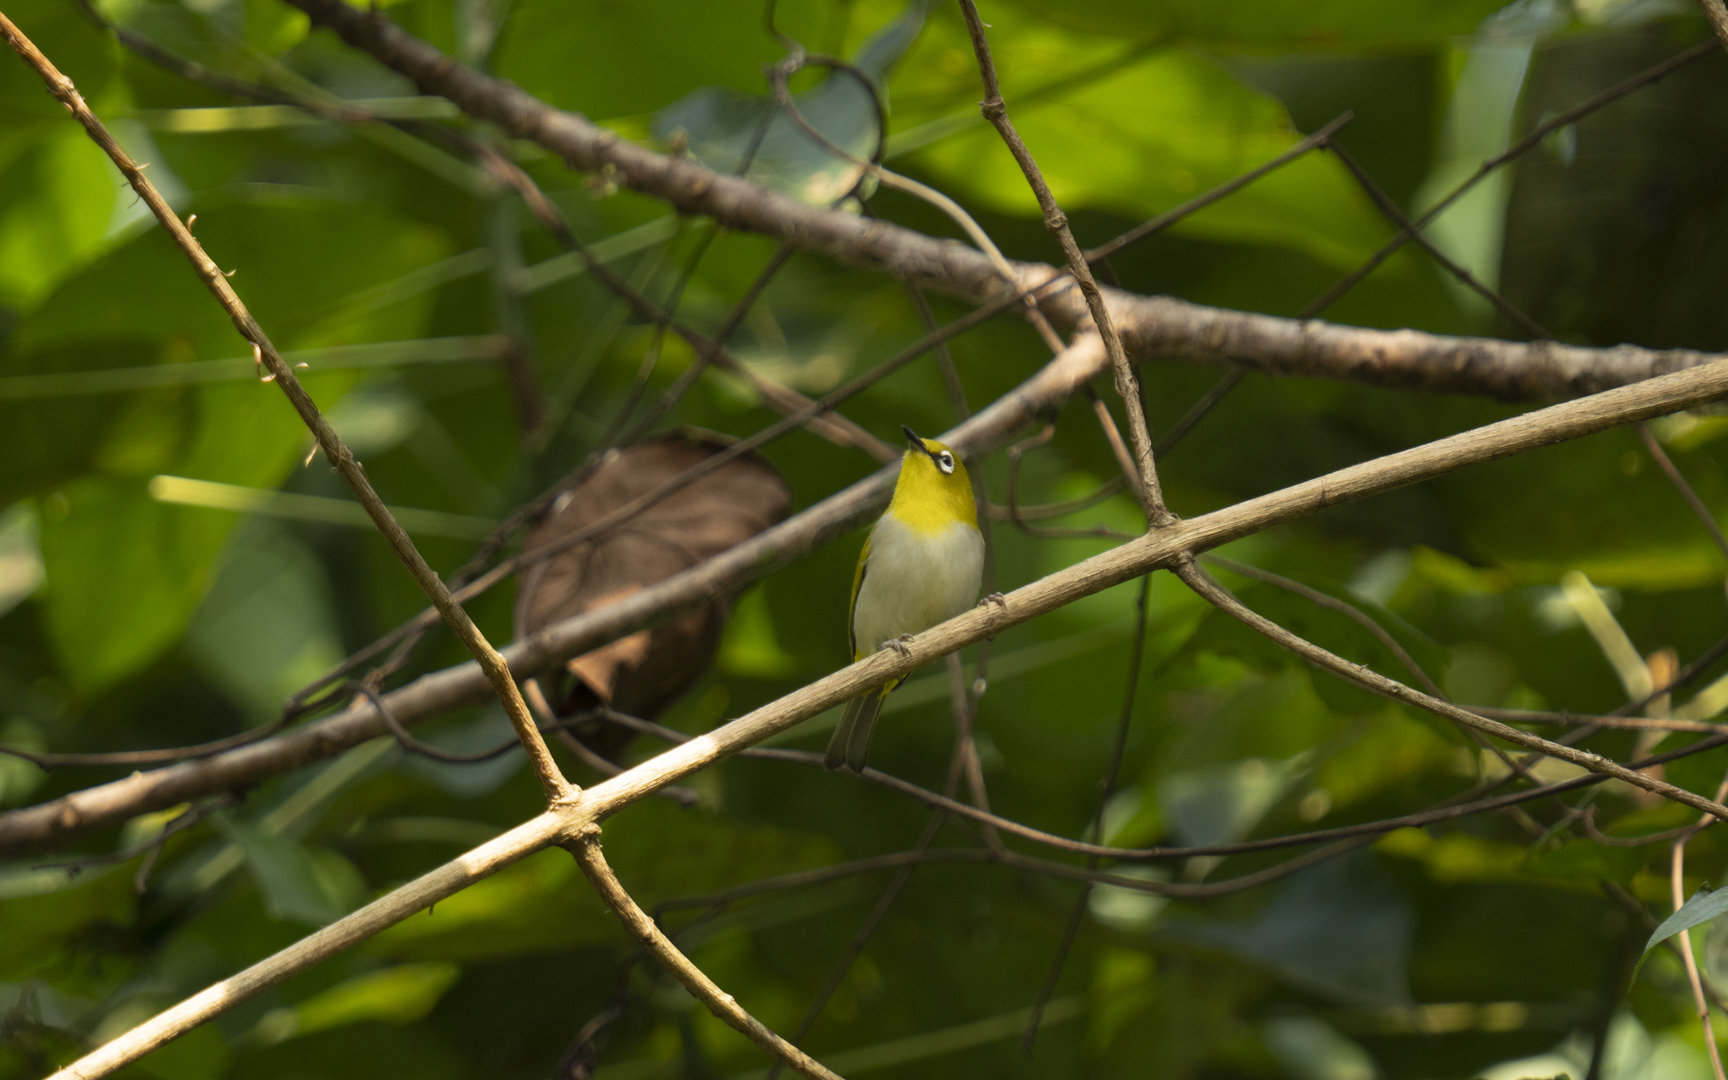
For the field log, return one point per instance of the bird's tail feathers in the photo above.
(850, 743)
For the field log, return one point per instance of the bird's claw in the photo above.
(899, 644)
(995, 598)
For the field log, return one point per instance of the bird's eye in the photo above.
(945, 462)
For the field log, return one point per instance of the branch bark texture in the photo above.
(1150, 326)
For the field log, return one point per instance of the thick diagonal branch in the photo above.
(1150, 326)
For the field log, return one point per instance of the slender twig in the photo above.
(1465, 805)
(1021, 514)
(1206, 402)
(889, 178)
(154, 757)
(1389, 209)
(1356, 614)
(1016, 515)
(1201, 583)
(1322, 137)
(1627, 723)
(1687, 492)
(1677, 892)
(491, 662)
(1588, 820)
(150, 847)
(565, 820)
(835, 428)
(1106, 791)
(861, 937)
(705, 357)
(1127, 386)
(806, 415)
(585, 846)
(1531, 139)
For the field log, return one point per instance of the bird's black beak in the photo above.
(916, 443)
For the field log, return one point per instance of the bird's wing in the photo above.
(852, 608)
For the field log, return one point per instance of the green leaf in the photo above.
(268, 625)
(57, 199)
(609, 60)
(1704, 906)
(748, 645)
(1588, 859)
(1139, 135)
(124, 574)
(1219, 804)
(721, 125)
(396, 995)
(200, 1054)
(1343, 929)
(299, 883)
(44, 909)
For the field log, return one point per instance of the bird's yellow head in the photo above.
(934, 491)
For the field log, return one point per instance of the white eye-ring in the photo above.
(945, 462)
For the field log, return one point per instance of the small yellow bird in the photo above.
(920, 566)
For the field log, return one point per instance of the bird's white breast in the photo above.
(915, 580)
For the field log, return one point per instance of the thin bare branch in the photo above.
(1676, 876)
(1377, 195)
(1629, 723)
(1201, 583)
(1127, 386)
(1531, 139)
(1106, 791)
(1687, 492)
(1163, 221)
(1356, 614)
(586, 847)
(888, 178)
(497, 671)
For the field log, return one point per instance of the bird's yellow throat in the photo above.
(927, 501)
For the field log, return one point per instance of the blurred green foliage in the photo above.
(1472, 948)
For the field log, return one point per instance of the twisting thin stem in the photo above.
(1056, 221)
(556, 787)
(889, 178)
(586, 848)
(1676, 873)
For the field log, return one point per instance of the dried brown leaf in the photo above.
(643, 673)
